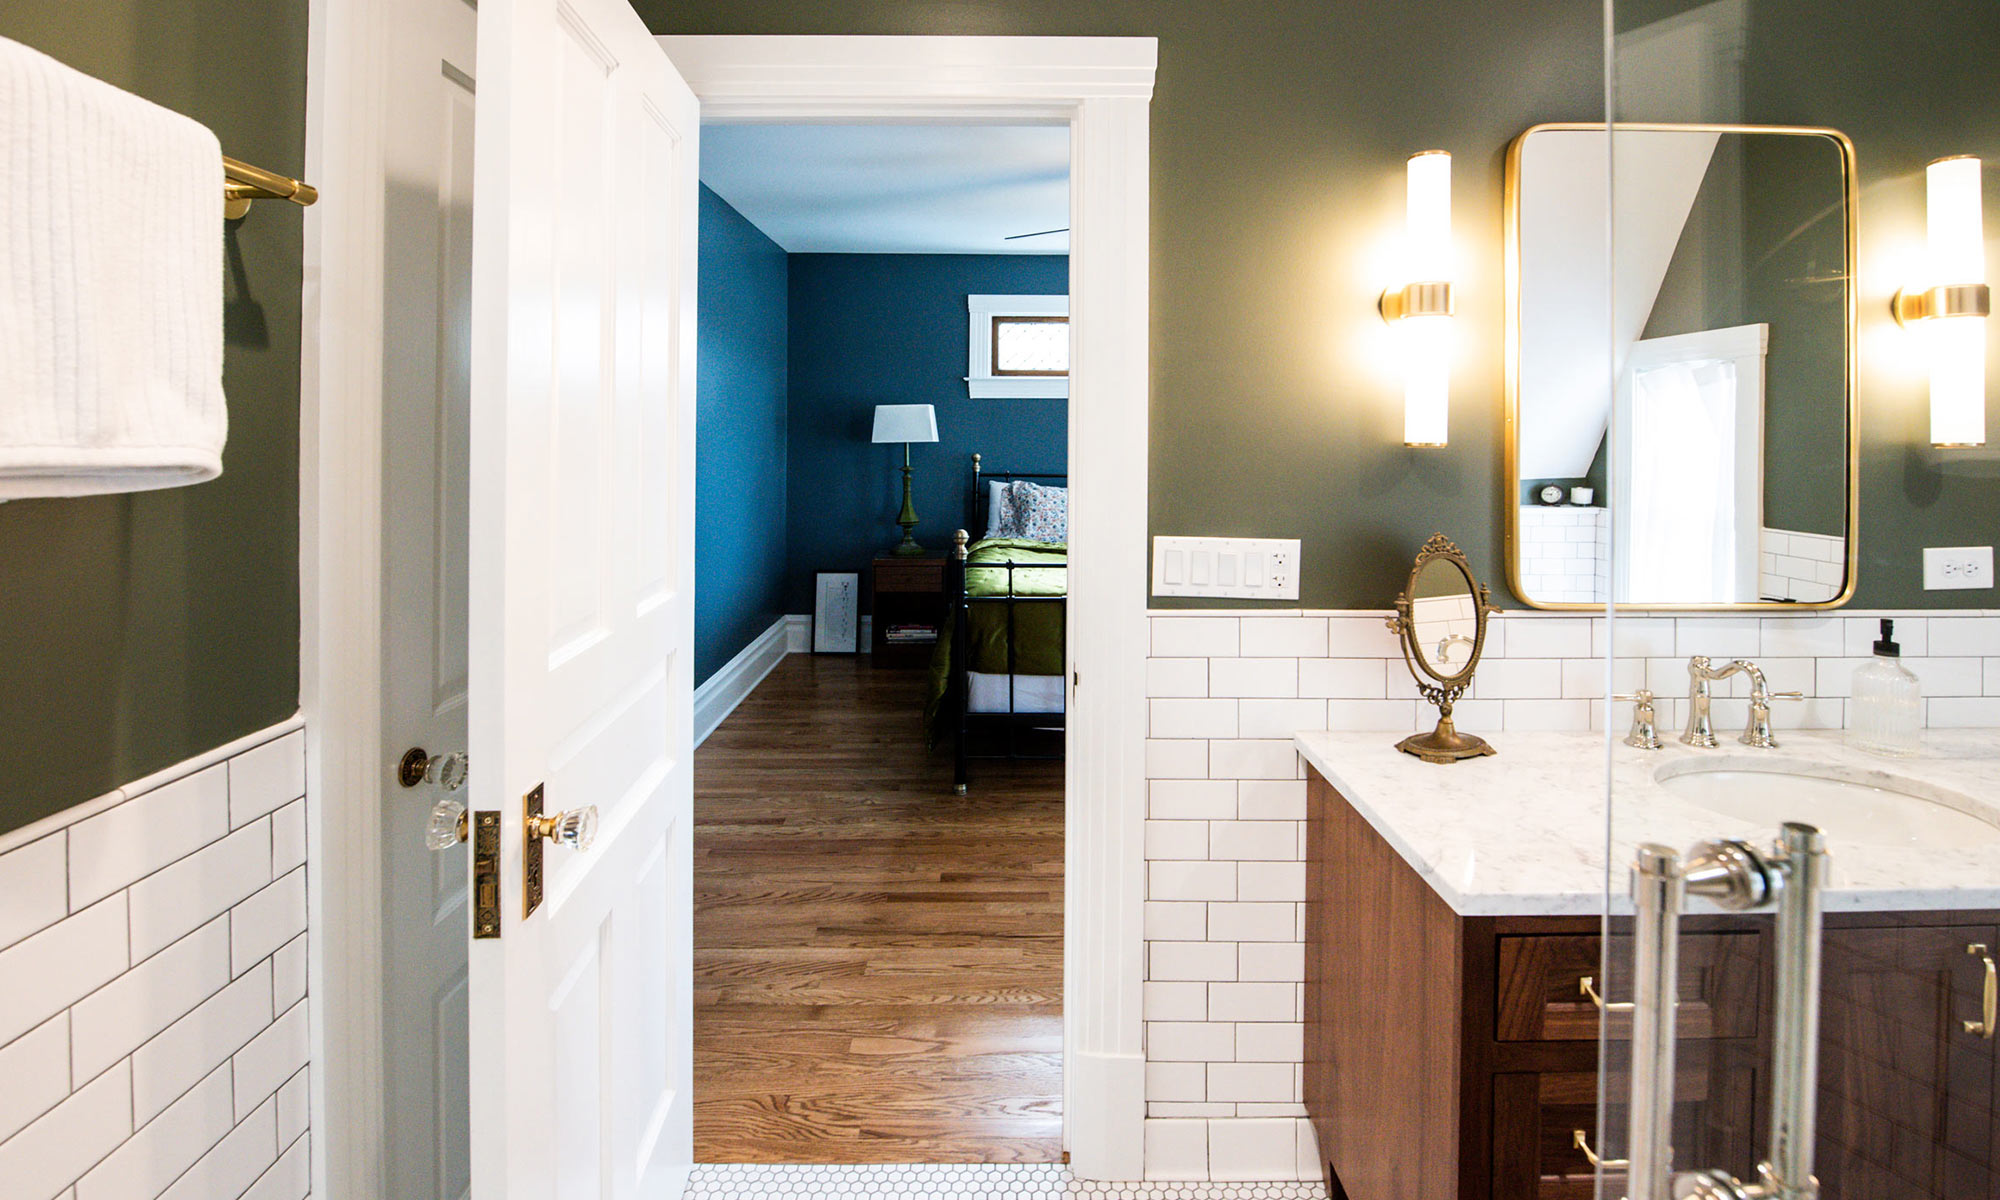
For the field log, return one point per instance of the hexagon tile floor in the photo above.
(975, 1181)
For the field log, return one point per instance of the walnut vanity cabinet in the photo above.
(1452, 1056)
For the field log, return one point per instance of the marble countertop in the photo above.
(1523, 833)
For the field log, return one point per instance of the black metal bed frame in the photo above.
(959, 690)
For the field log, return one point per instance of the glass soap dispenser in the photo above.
(1888, 701)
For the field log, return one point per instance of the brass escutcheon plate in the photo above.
(531, 853)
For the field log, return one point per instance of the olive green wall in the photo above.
(1280, 130)
(138, 630)
(1908, 83)
(1279, 135)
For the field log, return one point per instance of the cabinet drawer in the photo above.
(921, 575)
(1540, 998)
(1536, 1118)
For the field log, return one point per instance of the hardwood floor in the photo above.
(878, 962)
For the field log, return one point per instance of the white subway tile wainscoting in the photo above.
(153, 1034)
(1225, 880)
(1565, 553)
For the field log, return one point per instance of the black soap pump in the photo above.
(1888, 714)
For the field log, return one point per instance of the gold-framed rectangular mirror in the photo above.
(1680, 380)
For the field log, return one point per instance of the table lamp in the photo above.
(906, 423)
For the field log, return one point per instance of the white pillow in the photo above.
(1000, 519)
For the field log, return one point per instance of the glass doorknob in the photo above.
(447, 771)
(576, 828)
(447, 824)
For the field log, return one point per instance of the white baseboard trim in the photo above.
(1106, 1099)
(799, 632)
(721, 692)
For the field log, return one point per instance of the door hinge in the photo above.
(485, 875)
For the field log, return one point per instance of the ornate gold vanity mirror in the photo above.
(1441, 618)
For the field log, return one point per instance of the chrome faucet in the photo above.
(1757, 731)
(1700, 732)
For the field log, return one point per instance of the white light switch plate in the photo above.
(1951, 567)
(1236, 568)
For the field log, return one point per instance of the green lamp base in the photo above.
(907, 548)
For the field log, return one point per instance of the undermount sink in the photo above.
(1850, 805)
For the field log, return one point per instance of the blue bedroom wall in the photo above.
(870, 329)
(740, 401)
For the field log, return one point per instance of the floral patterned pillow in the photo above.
(1041, 513)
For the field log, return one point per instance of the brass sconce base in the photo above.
(1950, 300)
(1445, 744)
(1427, 299)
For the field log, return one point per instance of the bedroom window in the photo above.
(1017, 346)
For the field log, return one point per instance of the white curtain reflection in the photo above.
(1683, 517)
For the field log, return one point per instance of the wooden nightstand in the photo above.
(908, 599)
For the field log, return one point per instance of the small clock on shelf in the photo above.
(1550, 493)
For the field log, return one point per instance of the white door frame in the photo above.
(1101, 88)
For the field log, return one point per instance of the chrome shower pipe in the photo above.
(1788, 1173)
(1734, 875)
(1657, 889)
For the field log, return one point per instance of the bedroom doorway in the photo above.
(879, 796)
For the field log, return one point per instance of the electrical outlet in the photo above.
(1951, 567)
(1239, 568)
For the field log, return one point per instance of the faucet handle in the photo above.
(1757, 732)
(1645, 732)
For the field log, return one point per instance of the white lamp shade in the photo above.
(905, 423)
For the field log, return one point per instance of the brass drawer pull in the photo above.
(1582, 1142)
(1588, 987)
(1989, 1008)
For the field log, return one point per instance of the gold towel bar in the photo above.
(242, 183)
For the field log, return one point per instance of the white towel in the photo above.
(111, 274)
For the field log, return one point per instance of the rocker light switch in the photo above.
(1238, 568)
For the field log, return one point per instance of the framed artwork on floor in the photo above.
(836, 613)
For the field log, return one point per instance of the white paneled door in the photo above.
(581, 606)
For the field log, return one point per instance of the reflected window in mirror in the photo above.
(1694, 379)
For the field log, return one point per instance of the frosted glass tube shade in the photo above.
(1426, 380)
(1956, 346)
(1955, 222)
(1429, 201)
(1957, 352)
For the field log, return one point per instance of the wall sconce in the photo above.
(1422, 309)
(1949, 309)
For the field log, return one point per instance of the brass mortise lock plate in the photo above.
(531, 853)
(485, 875)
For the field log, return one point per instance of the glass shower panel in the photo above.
(1777, 1021)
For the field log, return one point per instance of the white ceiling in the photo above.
(895, 189)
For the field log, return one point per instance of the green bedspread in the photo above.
(1041, 569)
